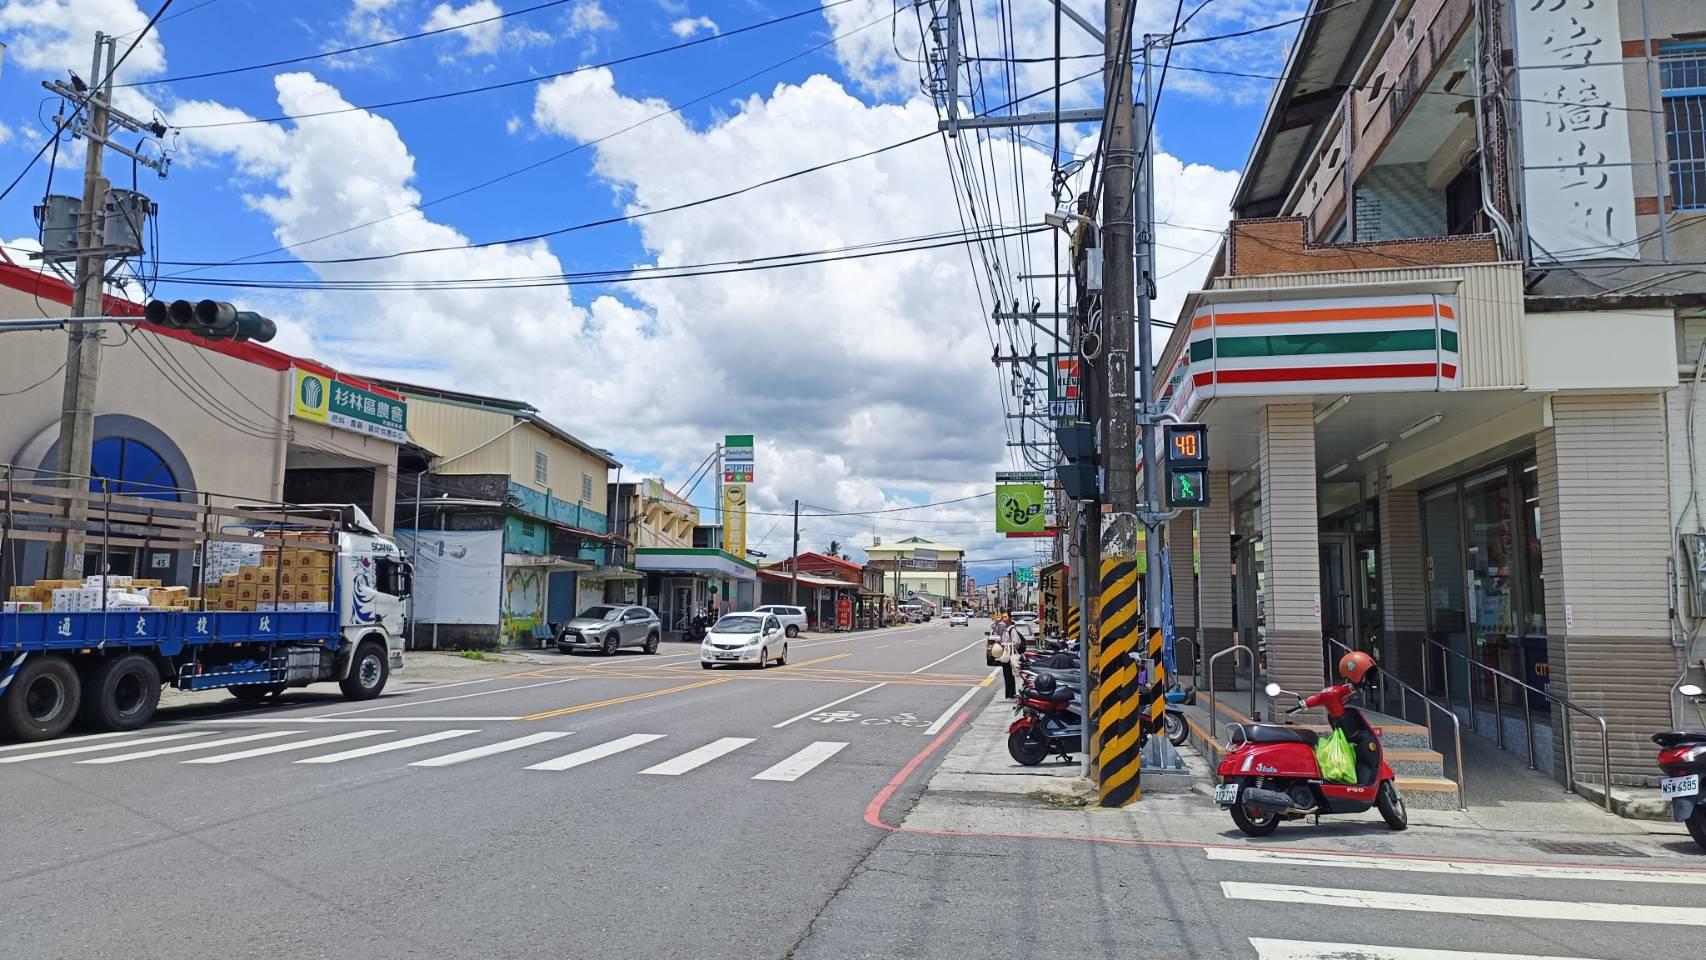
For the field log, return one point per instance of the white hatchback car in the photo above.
(752, 638)
(959, 618)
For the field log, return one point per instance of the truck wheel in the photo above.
(121, 693)
(42, 700)
(367, 675)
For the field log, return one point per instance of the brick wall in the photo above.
(1279, 245)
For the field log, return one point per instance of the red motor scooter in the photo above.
(1269, 773)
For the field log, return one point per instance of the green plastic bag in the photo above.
(1337, 759)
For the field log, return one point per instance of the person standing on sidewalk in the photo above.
(1013, 642)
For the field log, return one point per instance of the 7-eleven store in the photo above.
(1424, 464)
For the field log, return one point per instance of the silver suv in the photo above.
(793, 618)
(610, 627)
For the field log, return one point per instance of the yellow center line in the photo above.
(565, 711)
(807, 663)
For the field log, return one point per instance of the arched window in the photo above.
(132, 468)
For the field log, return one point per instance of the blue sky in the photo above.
(865, 383)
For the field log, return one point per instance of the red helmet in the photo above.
(1355, 665)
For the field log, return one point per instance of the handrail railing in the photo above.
(1499, 718)
(1428, 707)
(1213, 701)
(1196, 655)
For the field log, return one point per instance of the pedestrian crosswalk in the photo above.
(1380, 884)
(539, 751)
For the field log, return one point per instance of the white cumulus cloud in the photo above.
(588, 16)
(482, 38)
(688, 26)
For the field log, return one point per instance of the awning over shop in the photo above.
(808, 580)
(701, 561)
(612, 573)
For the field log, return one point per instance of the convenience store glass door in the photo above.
(1490, 554)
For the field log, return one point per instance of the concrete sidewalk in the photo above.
(979, 788)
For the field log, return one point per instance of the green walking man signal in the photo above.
(1187, 465)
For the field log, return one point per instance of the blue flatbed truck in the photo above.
(104, 669)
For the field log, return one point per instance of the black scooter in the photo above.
(1682, 757)
(695, 632)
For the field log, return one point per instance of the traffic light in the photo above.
(1187, 465)
(211, 320)
(1077, 475)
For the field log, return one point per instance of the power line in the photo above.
(552, 158)
(873, 513)
(605, 277)
(186, 10)
(520, 82)
(68, 121)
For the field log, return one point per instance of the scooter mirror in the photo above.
(1273, 689)
(1689, 690)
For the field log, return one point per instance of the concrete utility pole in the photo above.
(83, 345)
(794, 564)
(1118, 692)
(1153, 719)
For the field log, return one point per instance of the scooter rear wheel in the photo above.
(1027, 746)
(1391, 806)
(1177, 733)
(1256, 826)
(1696, 824)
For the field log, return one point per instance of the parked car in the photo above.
(750, 638)
(793, 619)
(610, 627)
(959, 618)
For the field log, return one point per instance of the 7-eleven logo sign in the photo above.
(1068, 382)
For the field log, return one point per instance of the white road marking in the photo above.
(694, 759)
(826, 706)
(569, 761)
(64, 740)
(70, 751)
(802, 762)
(948, 714)
(1468, 868)
(1471, 906)
(388, 747)
(502, 746)
(282, 747)
(461, 696)
(951, 655)
(360, 720)
(1308, 950)
(404, 691)
(187, 747)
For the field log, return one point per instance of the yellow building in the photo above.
(923, 566)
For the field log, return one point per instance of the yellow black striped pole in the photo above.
(1155, 695)
(1115, 704)
(1073, 613)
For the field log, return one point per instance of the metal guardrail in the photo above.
(1405, 691)
(1499, 717)
(1196, 656)
(1213, 701)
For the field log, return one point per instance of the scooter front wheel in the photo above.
(1027, 746)
(1177, 733)
(1391, 806)
(1259, 825)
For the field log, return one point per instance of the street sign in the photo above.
(1019, 508)
(1186, 449)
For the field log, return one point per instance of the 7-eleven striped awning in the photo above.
(1401, 343)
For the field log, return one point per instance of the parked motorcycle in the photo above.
(1270, 772)
(1682, 757)
(696, 628)
(1050, 721)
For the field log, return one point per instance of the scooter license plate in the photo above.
(1226, 793)
(1681, 786)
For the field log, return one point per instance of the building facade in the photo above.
(512, 521)
(922, 567)
(176, 415)
(685, 569)
(1449, 352)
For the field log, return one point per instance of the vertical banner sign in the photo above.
(1576, 161)
(1019, 509)
(737, 473)
(1051, 594)
(1065, 387)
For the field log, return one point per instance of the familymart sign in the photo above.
(345, 406)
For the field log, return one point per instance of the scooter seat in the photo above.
(1276, 733)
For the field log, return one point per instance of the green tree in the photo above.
(834, 548)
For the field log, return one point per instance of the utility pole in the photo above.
(794, 564)
(1118, 691)
(83, 344)
(1153, 719)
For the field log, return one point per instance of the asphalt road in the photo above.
(622, 807)
(642, 807)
